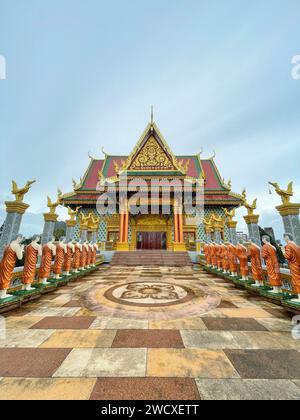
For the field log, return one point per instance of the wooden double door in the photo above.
(151, 240)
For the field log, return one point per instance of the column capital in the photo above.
(290, 209)
(231, 224)
(50, 217)
(71, 223)
(16, 207)
(252, 219)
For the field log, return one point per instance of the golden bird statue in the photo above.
(285, 195)
(19, 193)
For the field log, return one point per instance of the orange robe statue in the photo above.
(31, 258)
(68, 259)
(94, 254)
(206, 252)
(242, 255)
(59, 260)
(219, 256)
(7, 266)
(233, 262)
(83, 257)
(76, 257)
(45, 268)
(273, 267)
(225, 258)
(292, 254)
(256, 268)
(214, 256)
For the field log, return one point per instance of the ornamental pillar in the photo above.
(179, 244)
(253, 229)
(123, 244)
(70, 229)
(290, 218)
(231, 226)
(12, 223)
(49, 225)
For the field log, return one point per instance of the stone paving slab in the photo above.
(247, 389)
(220, 343)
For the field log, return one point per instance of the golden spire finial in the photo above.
(19, 193)
(285, 195)
(152, 114)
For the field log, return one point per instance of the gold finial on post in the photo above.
(73, 213)
(230, 214)
(19, 193)
(285, 195)
(250, 207)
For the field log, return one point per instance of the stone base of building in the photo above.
(123, 246)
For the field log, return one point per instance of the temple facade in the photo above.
(151, 162)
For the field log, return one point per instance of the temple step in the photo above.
(151, 258)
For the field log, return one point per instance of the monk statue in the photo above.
(273, 267)
(13, 251)
(76, 256)
(73, 213)
(292, 254)
(285, 195)
(49, 250)
(61, 249)
(254, 252)
(95, 250)
(68, 258)
(225, 258)
(19, 193)
(242, 255)
(83, 256)
(214, 256)
(89, 254)
(233, 262)
(32, 252)
(206, 254)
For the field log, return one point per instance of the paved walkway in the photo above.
(149, 333)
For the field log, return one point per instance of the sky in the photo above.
(82, 75)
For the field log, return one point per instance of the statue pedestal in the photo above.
(70, 229)
(49, 225)
(290, 218)
(15, 211)
(253, 229)
(122, 246)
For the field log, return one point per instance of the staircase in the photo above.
(151, 258)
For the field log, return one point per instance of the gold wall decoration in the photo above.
(152, 156)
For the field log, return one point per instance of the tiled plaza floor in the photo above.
(149, 333)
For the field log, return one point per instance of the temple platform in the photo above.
(152, 258)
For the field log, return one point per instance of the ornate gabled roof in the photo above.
(152, 157)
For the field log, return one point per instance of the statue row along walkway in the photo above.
(60, 262)
(232, 262)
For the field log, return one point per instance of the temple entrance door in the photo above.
(151, 240)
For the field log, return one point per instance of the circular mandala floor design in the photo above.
(149, 294)
(151, 300)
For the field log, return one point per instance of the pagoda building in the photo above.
(151, 162)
